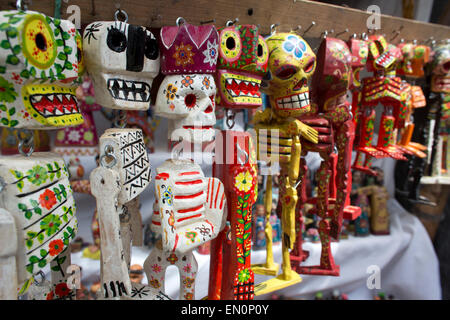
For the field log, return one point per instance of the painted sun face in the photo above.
(39, 197)
(122, 60)
(291, 65)
(243, 57)
(40, 69)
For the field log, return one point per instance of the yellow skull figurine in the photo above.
(291, 64)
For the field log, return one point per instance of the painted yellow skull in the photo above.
(291, 65)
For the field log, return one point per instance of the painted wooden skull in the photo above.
(414, 59)
(333, 74)
(40, 67)
(122, 60)
(190, 208)
(38, 195)
(123, 150)
(440, 81)
(291, 64)
(243, 58)
(186, 95)
(383, 56)
(359, 50)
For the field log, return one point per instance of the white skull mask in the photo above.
(40, 65)
(124, 150)
(122, 61)
(38, 195)
(188, 101)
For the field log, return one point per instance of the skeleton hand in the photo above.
(191, 207)
(298, 127)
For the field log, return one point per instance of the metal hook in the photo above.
(21, 5)
(42, 274)
(299, 27)
(109, 152)
(325, 34)
(230, 121)
(342, 32)
(313, 23)
(273, 28)
(209, 21)
(180, 20)
(231, 22)
(120, 119)
(26, 141)
(116, 15)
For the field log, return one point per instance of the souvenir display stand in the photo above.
(168, 212)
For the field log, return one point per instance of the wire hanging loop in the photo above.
(108, 159)
(42, 275)
(230, 121)
(231, 22)
(273, 28)
(120, 119)
(122, 13)
(180, 21)
(26, 142)
(21, 5)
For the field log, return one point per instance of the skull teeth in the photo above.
(54, 104)
(243, 88)
(129, 90)
(294, 102)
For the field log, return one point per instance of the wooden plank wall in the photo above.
(289, 14)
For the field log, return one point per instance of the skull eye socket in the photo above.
(38, 42)
(262, 51)
(286, 72)
(151, 48)
(310, 65)
(230, 44)
(190, 100)
(116, 40)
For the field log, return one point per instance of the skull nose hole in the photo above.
(41, 43)
(190, 100)
(209, 109)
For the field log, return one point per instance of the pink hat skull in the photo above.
(186, 95)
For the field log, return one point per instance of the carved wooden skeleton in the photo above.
(243, 56)
(330, 116)
(189, 211)
(40, 58)
(189, 207)
(122, 61)
(291, 64)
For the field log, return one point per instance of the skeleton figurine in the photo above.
(183, 212)
(291, 64)
(383, 87)
(188, 212)
(122, 60)
(330, 115)
(39, 63)
(243, 57)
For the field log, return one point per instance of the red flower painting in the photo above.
(55, 247)
(47, 199)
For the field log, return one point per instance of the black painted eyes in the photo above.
(151, 48)
(116, 40)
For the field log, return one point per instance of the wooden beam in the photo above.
(288, 13)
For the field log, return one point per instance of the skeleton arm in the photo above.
(105, 186)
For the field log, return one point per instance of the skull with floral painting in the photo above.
(440, 81)
(414, 58)
(243, 57)
(291, 65)
(359, 50)
(332, 78)
(122, 60)
(383, 56)
(40, 68)
(186, 94)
